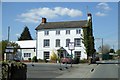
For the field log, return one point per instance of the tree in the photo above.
(112, 51)
(4, 44)
(88, 38)
(105, 49)
(118, 52)
(25, 35)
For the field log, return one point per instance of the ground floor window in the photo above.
(46, 55)
(77, 54)
(27, 54)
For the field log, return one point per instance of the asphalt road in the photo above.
(106, 70)
(45, 70)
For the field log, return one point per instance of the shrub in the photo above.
(13, 71)
(53, 56)
(40, 60)
(76, 60)
(84, 61)
(34, 59)
(29, 59)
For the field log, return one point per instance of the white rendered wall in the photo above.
(27, 44)
(63, 36)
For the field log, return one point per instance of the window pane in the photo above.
(46, 42)
(57, 42)
(27, 54)
(46, 55)
(77, 42)
(67, 42)
(78, 31)
(67, 31)
(77, 54)
(46, 32)
(58, 32)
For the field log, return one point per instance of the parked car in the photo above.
(66, 60)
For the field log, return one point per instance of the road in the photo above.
(106, 70)
(45, 70)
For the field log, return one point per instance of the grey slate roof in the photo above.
(65, 24)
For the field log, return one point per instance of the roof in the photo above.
(65, 24)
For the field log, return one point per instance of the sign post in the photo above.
(8, 50)
(71, 47)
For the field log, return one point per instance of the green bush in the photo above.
(76, 60)
(34, 59)
(84, 61)
(29, 59)
(13, 70)
(40, 60)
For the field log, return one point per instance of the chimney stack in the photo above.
(43, 20)
(89, 16)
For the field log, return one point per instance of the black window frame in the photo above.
(67, 31)
(67, 43)
(57, 42)
(77, 41)
(46, 43)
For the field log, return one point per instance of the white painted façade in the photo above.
(51, 36)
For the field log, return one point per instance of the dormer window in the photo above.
(46, 33)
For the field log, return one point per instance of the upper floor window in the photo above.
(67, 31)
(67, 42)
(57, 42)
(58, 32)
(46, 42)
(78, 31)
(77, 42)
(46, 32)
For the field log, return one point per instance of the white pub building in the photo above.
(51, 36)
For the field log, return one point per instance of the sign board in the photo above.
(9, 49)
(71, 46)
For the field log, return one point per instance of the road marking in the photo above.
(93, 69)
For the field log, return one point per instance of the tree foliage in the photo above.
(88, 39)
(25, 35)
(105, 49)
(4, 44)
(112, 51)
(118, 52)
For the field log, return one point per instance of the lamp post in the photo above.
(71, 47)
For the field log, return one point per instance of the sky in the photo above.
(17, 15)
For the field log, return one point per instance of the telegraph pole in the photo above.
(8, 33)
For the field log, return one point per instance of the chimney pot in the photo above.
(89, 14)
(43, 20)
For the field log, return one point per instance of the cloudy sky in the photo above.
(17, 15)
